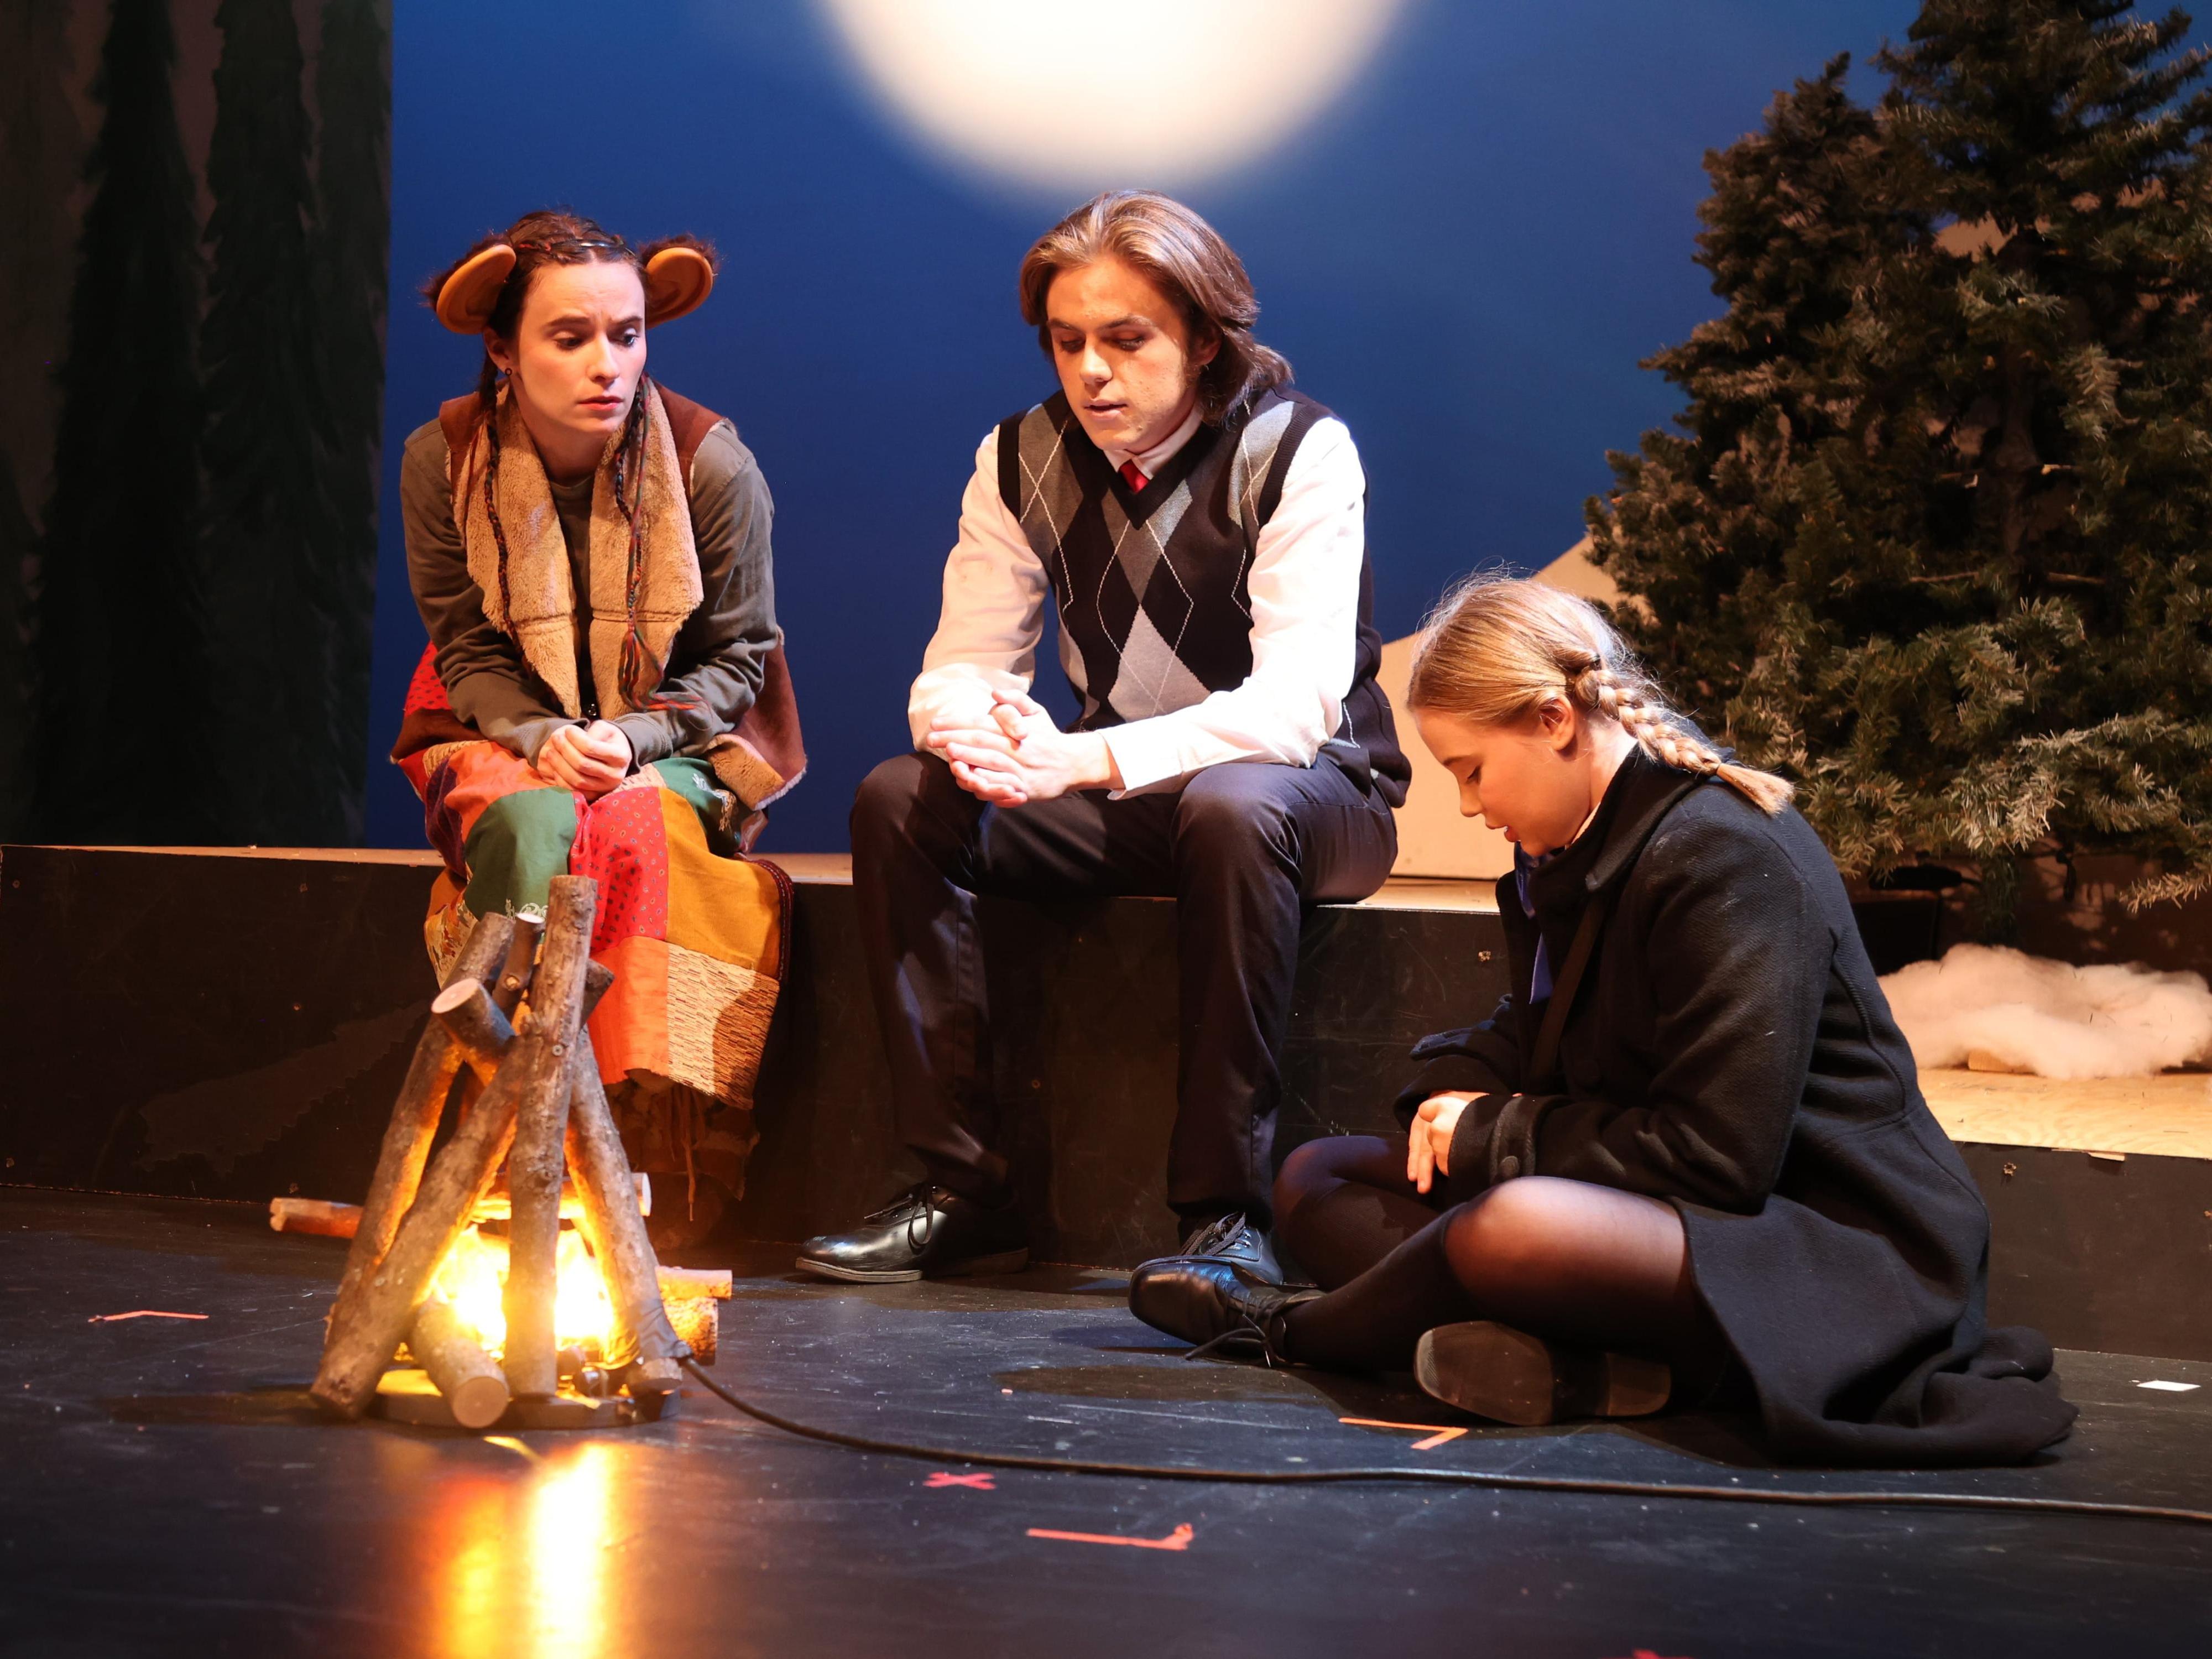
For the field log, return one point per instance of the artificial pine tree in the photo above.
(352, 106)
(269, 543)
(1936, 539)
(124, 681)
(1702, 517)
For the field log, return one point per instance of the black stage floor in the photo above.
(169, 1490)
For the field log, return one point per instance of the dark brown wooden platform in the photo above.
(233, 1024)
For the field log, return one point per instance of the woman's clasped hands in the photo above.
(588, 759)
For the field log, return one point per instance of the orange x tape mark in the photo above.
(1178, 1539)
(140, 1313)
(1437, 1434)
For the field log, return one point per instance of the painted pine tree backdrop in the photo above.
(187, 550)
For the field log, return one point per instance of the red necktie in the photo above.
(1131, 477)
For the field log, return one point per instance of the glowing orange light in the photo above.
(474, 1280)
(517, 1562)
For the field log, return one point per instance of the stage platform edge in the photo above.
(233, 1023)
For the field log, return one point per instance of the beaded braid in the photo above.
(491, 509)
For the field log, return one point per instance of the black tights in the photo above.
(1560, 1258)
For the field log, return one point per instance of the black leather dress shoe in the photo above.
(1511, 1377)
(932, 1232)
(1215, 1303)
(1232, 1238)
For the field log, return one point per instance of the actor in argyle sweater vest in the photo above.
(1151, 582)
(1199, 530)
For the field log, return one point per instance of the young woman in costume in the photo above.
(1687, 1157)
(605, 692)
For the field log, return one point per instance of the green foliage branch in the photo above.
(1934, 535)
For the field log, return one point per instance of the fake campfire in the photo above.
(509, 1316)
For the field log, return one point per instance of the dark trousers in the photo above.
(1242, 849)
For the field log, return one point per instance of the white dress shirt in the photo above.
(1304, 586)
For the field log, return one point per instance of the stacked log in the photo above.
(533, 1164)
(643, 1339)
(475, 1388)
(415, 1117)
(328, 1218)
(508, 1039)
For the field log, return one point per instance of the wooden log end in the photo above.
(599, 980)
(485, 949)
(458, 993)
(479, 1402)
(476, 1022)
(679, 1282)
(475, 1389)
(656, 1386)
(514, 978)
(654, 1376)
(697, 1321)
(340, 1402)
(322, 1216)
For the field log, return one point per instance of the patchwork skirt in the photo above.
(693, 930)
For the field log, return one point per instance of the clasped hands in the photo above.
(1428, 1143)
(1015, 754)
(588, 759)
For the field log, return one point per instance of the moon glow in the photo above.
(1078, 95)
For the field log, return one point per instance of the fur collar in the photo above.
(535, 604)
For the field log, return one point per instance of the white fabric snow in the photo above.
(2028, 1014)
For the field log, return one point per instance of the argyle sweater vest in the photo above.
(1150, 584)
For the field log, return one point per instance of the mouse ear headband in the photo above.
(678, 281)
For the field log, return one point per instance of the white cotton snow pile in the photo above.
(2012, 1012)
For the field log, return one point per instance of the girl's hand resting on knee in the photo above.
(588, 759)
(1428, 1145)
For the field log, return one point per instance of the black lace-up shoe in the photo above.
(1511, 1377)
(1215, 1303)
(931, 1232)
(1232, 1238)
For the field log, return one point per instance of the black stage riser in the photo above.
(235, 1027)
(1083, 1001)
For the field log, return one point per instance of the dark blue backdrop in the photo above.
(1466, 257)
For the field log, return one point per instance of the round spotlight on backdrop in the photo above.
(1076, 94)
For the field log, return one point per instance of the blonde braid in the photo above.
(1498, 647)
(1646, 719)
(1649, 721)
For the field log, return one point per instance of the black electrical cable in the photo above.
(1446, 1476)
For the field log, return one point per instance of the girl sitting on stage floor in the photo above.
(1687, 1157)
(605, 693)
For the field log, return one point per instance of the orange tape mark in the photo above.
(1178, 1539)
(1437, 1434)
(140, 1313)
(945, 1478)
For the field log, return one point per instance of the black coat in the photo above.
(1730, 1050)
